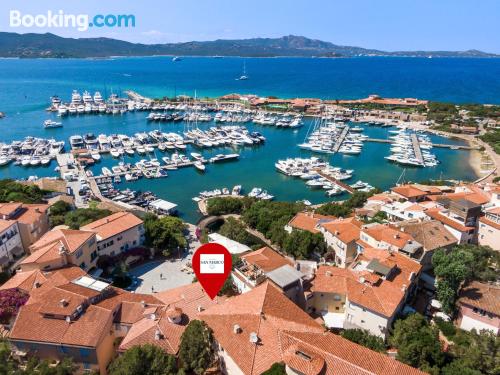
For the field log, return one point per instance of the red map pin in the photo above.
(212, 265)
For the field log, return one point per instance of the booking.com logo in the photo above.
(81, 22)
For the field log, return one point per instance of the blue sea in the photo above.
(26, 87)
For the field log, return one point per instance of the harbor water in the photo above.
(26, 86)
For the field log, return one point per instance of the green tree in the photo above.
(145, 360)
(417, 343)
(236, 231)
(164, 234)
(462, 264)
(228, 205)
(83, 216)
(196, 352)
(12, 191)
(301, 244)
(363, 337)
(58, 212)
(476, 351)
(276, 369)
(356, 200)
(10, 366)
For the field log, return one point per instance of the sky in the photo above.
(381, 24)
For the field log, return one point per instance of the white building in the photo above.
(11, 246)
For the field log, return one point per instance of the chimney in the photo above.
(403, 288)
(236, 329)
(144, 304)
(396, 236)
(337, 232)
(362, 280)
(200, 308)
(328, 273)
(157, 334)
(63, 303)
(37, 285)
(152, 316)
(37, 210)
(254, 339)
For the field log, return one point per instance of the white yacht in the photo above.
(76, 98)
(87, 98)
(76, 142)
(62, 110)
(49, 124)
(98, 98)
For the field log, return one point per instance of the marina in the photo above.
(255, 164)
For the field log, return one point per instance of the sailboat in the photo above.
(243, 77)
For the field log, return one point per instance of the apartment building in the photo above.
(479, 307)
(256, 267)
(368, 295)
(60, 248)
(308, 221)
(489, 228)
(341, 236)
(117, 233)
(32, 220)
(262, 327)
(11, 246)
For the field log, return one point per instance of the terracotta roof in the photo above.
(431, 234)
(340, 356)
(70, 238)
(308, 221)
(113, 224)
(483, 296)
(383, 197)
(184, 303)
(264, 311)
(23, 280)
(30, 213)
(388, 234)
(409, 191)
(266, 258)
(87, 330)
(347, 230)
(489, 222)
(190, 298)
(6, 209)
(437, 215)
(287, 334)
(157, 330)
(6, 224)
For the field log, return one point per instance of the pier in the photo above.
(335, 181)
(438, 145)
(416, 148)
(341, 139)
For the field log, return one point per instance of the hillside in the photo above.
(50, 45)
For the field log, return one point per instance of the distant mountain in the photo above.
(50, 45)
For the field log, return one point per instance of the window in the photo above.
(84, 352)
(91, 241)
(79, 253)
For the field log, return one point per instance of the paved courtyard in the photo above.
(163, 275)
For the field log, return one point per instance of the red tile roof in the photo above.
(266, 258)
(481, 295)
(437, 215)
(113, 224)
(347, 230)
(308, 221)
(368, 289)
(409, 191)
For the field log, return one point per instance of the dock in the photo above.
(438, 145)
(335, 181)
(416, 148)
(137, 97)
(341, 139)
